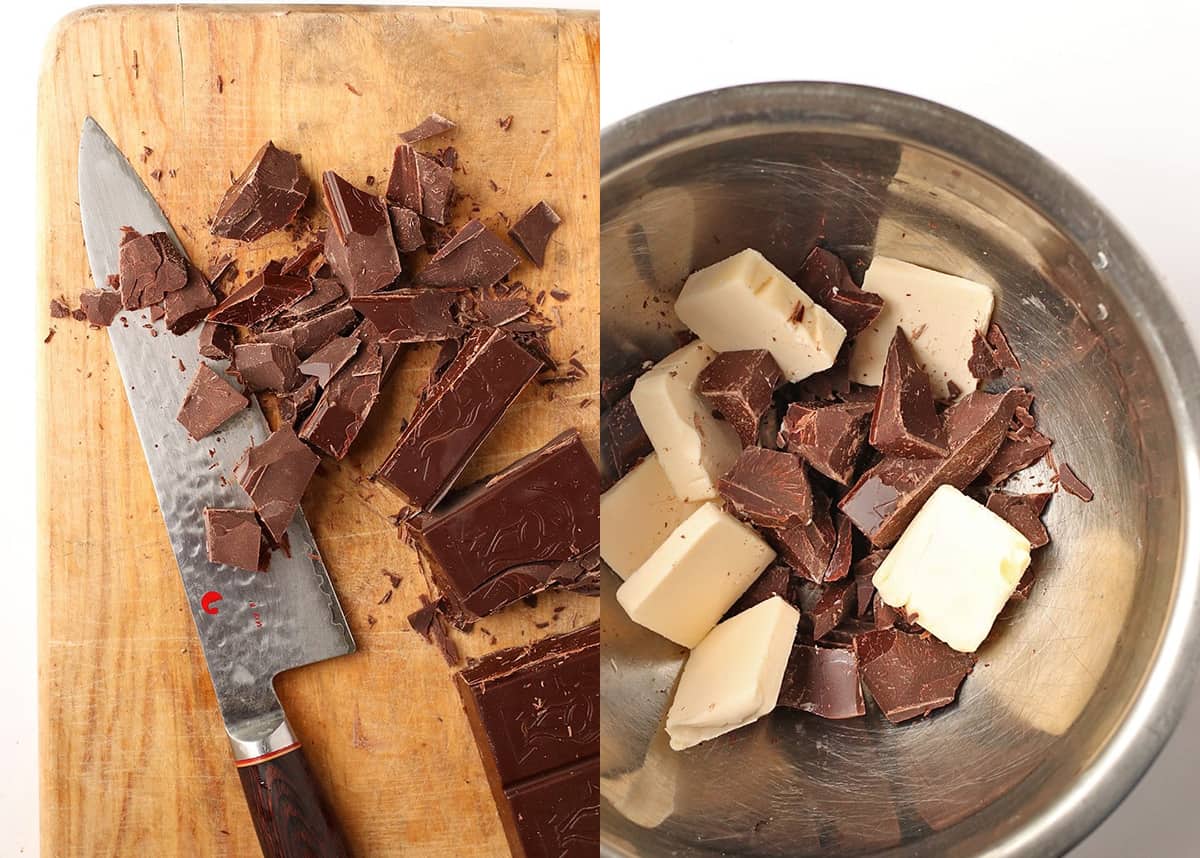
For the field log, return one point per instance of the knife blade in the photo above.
(251, 625)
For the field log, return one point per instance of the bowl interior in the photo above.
(1060, 671)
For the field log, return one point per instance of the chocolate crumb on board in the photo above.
(505, 122)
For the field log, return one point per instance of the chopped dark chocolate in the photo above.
(208, 403)
(474, 258)
(843, 549)
(151, 266)
(185, 308)
(234, 537)
(910, 675)
(275, 474)
(824, 681)
(982, 363)
(326, 292)
(768, 488)
(808, 548)
(889, 494)
(266, 197)
(216, 341)
(342, 410)
(266, 366)
(428, 622)
(1024, 513)
(413, 315)
(421, 184)
(58, 310)
(100, 306)
(864, 578)
(1001, 350)
(358, 242)
(305, 337)
(739, 385)
(623, 441)
(294, 402)
(324, 363)
(431, 126)
(906, 421)
(1017, 453)
(836, 602)
(457, 414)
(1071, 484)
(300, 264)
(533, 229)
(479, 308)
(829, 436)
(263, 297)
(775, 581)
(515, 533)
(406, 229)
(825, 278)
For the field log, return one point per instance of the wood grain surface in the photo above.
(134, 758)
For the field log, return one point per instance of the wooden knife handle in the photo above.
(290, 816)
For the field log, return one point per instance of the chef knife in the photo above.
(251, 625)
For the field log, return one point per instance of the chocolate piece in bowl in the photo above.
(910, 675)
(623, 441)
(808, 548)
(768, 488)
(739, 385)
(828, 435)
(359, 243)
(823, 680)
(266, 197)
(826, 279)
(905, 421)
(1023, 511)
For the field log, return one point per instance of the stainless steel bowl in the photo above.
(1078, 689)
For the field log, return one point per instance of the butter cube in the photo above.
(637, 515)
(940, 314)
(695, 576)
(733, 677)
(745, 302)
(954, 568)
(694, 447)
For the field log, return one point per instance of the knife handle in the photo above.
(290, 816)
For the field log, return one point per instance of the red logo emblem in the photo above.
(209, 602)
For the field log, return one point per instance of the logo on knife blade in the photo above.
(209, 602)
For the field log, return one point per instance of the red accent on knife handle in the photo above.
(290, 816)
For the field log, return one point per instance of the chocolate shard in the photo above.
(905, 421)
(889, 494)
(776, 580)
(428, 622)
(414, 315)
(534, 712)
(1017, 453)
(185, 308)
(836, 602)
(263, 297)
(324, 363)
(623, 441)
(473, 259)
(808, 548)
(825, 278)
(234, 537)
(829, 436)
(1024, 513)
(305, 337)
(982, 363)
(343, 408)
(150, 267)
(326, 292)
(515, 533)
(406, 229)
(293, 403)
(266, 366)
(824, 681)
(843, 549)
(739, 385)
(216, 341)
(457, 413)
(58, 310)
(275, 474)
(421, 184)
(768, 488)
(481, 308)
(864, 579)
(301, 263)
(358, 243)
(1001, 351)
(1071, 484)
(208, 403)
(533, 229)
(100, 306)
(910, 675)
(431, 126)
(266, 197)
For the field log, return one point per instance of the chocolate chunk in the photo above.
(507, 536)
(208, 403)
(100, 306)
(768, 488)
(864, 579)
(151, 266)
(982, 362)
(404, 185)
(294, 402)
(457, 414)
(906, 422)
(186, 307)
(533, 229)
(413, 315)
(775, 581)
(623, 441)
(300, 265)
(58, 310)
(1071, 484)
(406, 229)
(234, 537)
(358, 243)
(421, 184)
(481, 309)
(275, 474)
(428, 622)
(910, 675)
(326, 292)
(263, 297)
(216, 341)
(825, 278)
(431, 126)
(534, 712)
(740, 385)
(325, 362)
(267, 196)
(266, 366)
(474, 258)
(1001, 351)
(808, 548)
(156, 313)
(889, 494)
(829, 436)
(1024, 513)
(1017, 453)
(347, 400)
(305, 337)
(835, 603)
(823, 681)
(843, 550)
(829, 385)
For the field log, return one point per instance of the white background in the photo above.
(1110, 92)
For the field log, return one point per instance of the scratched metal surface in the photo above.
(263, 623)
(1077, 688)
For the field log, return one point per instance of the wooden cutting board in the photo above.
(133, 755)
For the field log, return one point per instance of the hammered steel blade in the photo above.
(263, 623)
